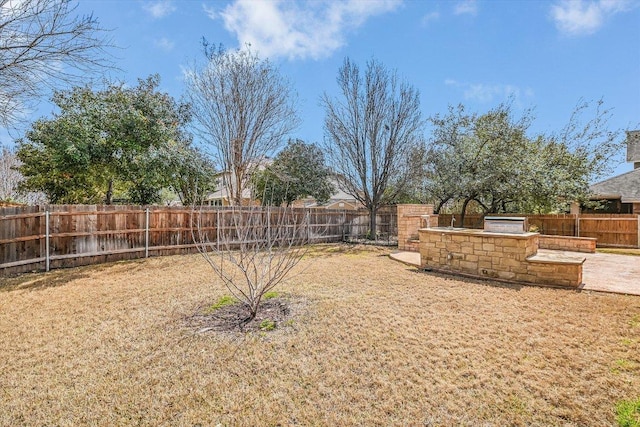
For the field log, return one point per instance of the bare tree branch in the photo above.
(44, 46)
(254, 248)
(10, 179)
(243, 109)
(371, 132)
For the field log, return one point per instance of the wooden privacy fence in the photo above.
(56, 236)
(610, 230)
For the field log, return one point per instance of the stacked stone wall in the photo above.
(503, 257)
(573, 244)
(410, 218)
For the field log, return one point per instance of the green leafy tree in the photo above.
(102, 142)
(298, 171)
(490, 160)
(191, 174)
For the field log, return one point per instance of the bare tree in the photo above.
(253, 249)
(9, 177)
(243, 109)
(371, 133)
(42, 46)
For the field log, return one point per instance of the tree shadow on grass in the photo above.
(489, 281)
(328, 249)
(62, 276)
(39, 281)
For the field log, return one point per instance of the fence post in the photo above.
(577, 225)
(46, 241)
(218, 229)
(638, 242)
(146, 233)
(269, 225)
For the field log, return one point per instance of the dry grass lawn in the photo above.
(619, 251)
(376, 343)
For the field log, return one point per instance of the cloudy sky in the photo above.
(543, 54)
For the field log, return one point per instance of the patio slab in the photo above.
(600, 272)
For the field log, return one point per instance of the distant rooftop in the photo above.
(625, 186)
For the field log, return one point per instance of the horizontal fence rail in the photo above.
(36, 238)
(610, 230)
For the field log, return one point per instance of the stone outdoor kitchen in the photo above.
(504, 250)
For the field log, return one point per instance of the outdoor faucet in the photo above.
(453, 219)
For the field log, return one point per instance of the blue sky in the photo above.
(544, 54)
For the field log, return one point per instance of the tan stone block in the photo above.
(484, 264)
(507, 262)
(512, 250)
(475, 239)
(472, 258)
(508, 275)
(454, 247)
(469, 266)
(489, 247)
(518, 269)
(523, 277)
(537, 269)
(507, 242)
(466, 249)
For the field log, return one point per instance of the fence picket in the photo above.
(610, 230)
(74, 235)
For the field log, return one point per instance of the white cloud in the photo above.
(466, 7)
(577, 17)
(165, 44)
(210, 11)
(312, 29)
(488, 93)
(430, 17)
(160, 8)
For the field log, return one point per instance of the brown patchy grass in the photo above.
(377, 344)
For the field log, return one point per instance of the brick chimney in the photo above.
(633, 147)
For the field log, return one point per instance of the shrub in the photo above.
(222, 302)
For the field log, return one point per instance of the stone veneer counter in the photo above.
(505, 256)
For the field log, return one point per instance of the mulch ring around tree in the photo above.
(274, 314)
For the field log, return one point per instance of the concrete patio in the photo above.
(601, 272)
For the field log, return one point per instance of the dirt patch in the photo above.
(274, 314)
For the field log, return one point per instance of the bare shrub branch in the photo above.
(253, 248)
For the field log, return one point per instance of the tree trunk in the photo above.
(440, 205)
(372, 223)
(464, 210)
(238, 187)
(109, 195)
